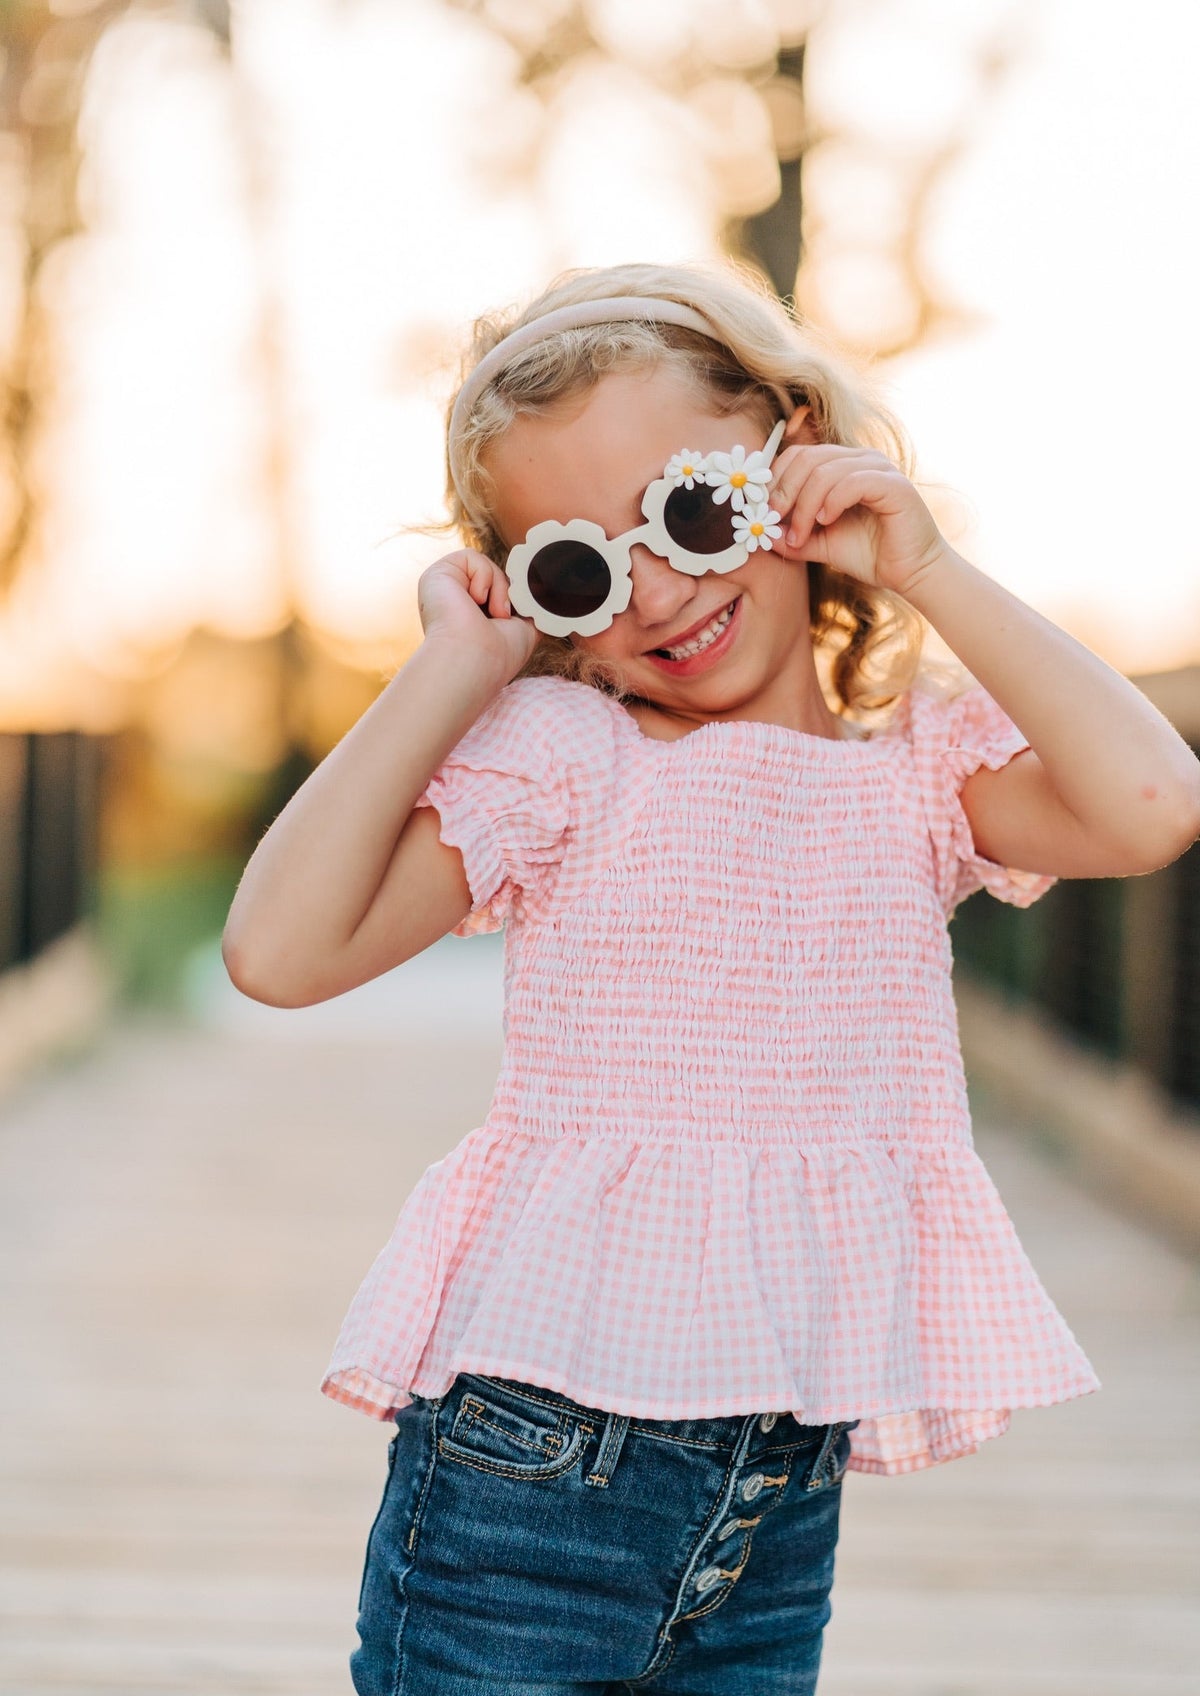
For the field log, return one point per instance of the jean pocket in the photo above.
(840, 1457)
(511, 1437)
(833, 1457)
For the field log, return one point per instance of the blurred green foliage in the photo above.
(150, 919)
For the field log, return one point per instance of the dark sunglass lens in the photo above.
(697, 522)
(569, 579)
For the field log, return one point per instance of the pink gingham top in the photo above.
(728, 1165)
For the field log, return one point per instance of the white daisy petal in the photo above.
(685, 469)
(740, 478)
(755, 525)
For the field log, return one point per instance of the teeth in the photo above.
(705, 639)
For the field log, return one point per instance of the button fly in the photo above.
(767, 1420)
(752, 1486)
(728, 1529)
(710, 1576)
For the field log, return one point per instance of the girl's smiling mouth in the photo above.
(713, 640)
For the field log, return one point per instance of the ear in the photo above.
(799, 427)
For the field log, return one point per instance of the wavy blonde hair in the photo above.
(867, 641)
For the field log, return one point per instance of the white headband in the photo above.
(618, 309)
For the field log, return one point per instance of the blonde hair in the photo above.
(867, 641)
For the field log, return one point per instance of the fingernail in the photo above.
(793, 536)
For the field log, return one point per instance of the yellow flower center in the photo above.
(687, 471)
(757, 529)
(738, 480)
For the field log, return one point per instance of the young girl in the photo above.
(724, 1233)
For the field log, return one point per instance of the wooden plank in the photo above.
(184, 1216)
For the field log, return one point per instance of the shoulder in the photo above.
(557, 735)
(945, 710)
(557, 716)
(550, 701)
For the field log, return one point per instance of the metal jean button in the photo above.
(710, 1576)
(767, 1420)
(752, 1486)
(728, 1529)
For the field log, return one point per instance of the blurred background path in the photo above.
(187, 1210)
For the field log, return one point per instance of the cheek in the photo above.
(606, 644)
(782, 581)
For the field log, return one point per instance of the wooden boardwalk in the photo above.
(185, 1214)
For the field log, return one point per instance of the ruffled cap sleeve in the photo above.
(532, 799)
(952, 739)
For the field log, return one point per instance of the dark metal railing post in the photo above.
(48, 784)
(1182, 1043)
(14, 858)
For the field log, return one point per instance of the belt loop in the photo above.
(434, 1402)
(816, 1476)
(615, 1427)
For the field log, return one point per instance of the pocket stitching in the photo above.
(476, 1411)
(515, 1469)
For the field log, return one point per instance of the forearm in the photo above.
(1114, 760)
(315, 873)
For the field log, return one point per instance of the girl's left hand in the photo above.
(852, 509)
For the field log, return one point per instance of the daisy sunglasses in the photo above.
(705, 513)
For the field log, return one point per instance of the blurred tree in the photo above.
(735, 70)
(774, 236)
(736, 78)
(47, 47)
(45, 60)
(48, 820)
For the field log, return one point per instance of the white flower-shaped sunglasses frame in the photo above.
(716, 469)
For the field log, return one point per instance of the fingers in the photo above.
(816, 489)
(479, 571)
(861, 488)
(795, 465)
(805, 484)
(484, 581)
(498, 604)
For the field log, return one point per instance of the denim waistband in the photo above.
(723, 1431)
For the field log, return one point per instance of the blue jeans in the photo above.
(527, 1545)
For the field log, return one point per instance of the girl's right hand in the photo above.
(463, 599)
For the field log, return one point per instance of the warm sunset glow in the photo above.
(1064, 423)
(259, 328)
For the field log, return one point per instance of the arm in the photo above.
(1107, 786)
(350, 880)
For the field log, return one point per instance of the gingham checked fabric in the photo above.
(728, 1165)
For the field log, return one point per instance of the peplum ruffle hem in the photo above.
(912, 1307)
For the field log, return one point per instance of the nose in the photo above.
(660, 593)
